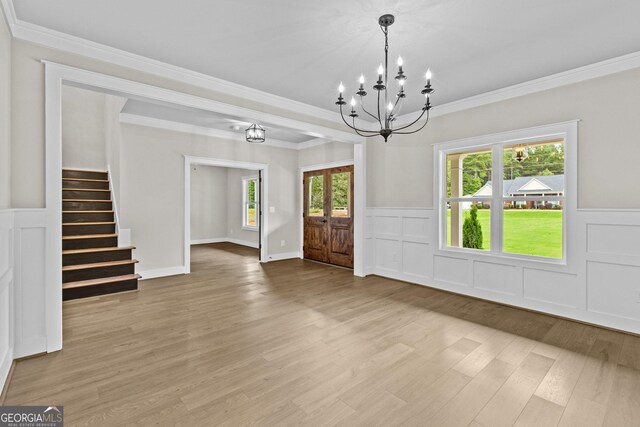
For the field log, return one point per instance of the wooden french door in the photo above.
(328, 215)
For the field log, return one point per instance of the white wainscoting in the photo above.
(601, 285)
(29, 239)
(6, 295)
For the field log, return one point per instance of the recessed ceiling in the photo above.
(301, 50)
(208, 119)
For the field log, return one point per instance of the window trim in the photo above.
(568, 131)
(245, 202)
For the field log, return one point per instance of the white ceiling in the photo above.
(301, 49)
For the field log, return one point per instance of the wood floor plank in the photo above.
(237, 342)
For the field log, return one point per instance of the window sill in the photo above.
(248, 228)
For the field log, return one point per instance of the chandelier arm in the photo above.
(417, 130)
(386, 76)
(363, 109)
(393, 111)
(413, 122)
(347, 123)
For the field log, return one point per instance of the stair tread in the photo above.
(98, 264)
(95, 211)
(82, 170)
(86, 189)
(101, 281)
(91, 250)
(86, 200)
(85, 179)
(89, 236)
(90, 223)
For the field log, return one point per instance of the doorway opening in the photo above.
(328, 215)
(225, 212)
(247, 190)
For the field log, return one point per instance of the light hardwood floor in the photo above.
(300, 343)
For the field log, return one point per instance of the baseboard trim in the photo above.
(163, 272)
(7, 380)
(208, 241)
(243, 243)
(224, 240)
(283, 256)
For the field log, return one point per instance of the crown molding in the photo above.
(9, 15)
(61, 41)
(577, 75)
(135, 119)
(67, 43)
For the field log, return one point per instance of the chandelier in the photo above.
(255, 133)
(387, 108)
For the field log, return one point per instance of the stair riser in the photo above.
(84, 174)
(102, 242)
(92, 291)
(90, 195)
(88, 217)
(78, 230)
(86, 206)
(85, 184)
(97, 273)
(93, 257)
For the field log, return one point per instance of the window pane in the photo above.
(316, 196)
(533, 228)
(340, 194)
(251, 215)
(251, 191)
(469, 174)
(463, 230)
(534, 170)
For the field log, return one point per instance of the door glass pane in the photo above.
(340, 194)
(316, 196)
(465, 231)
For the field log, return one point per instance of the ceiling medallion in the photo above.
(387, 109)
(255, 134)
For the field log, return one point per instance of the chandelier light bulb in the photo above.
(353, 101)
(341, 88)
(390, 106)
(401, 82)
(400, 61)
(429, 74)
(361, 79)
(380, 70)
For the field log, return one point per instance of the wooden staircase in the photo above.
(92, 262)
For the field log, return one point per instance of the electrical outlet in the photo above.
(281, 242)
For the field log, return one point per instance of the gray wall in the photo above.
(5, 115)
(83, 129)
(208, 202)
(152, 199)
(400, 172)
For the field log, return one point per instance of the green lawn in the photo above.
(526, 231)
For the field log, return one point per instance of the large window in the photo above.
(505, 197)
(250, 203)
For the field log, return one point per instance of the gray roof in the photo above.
(514, 187)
